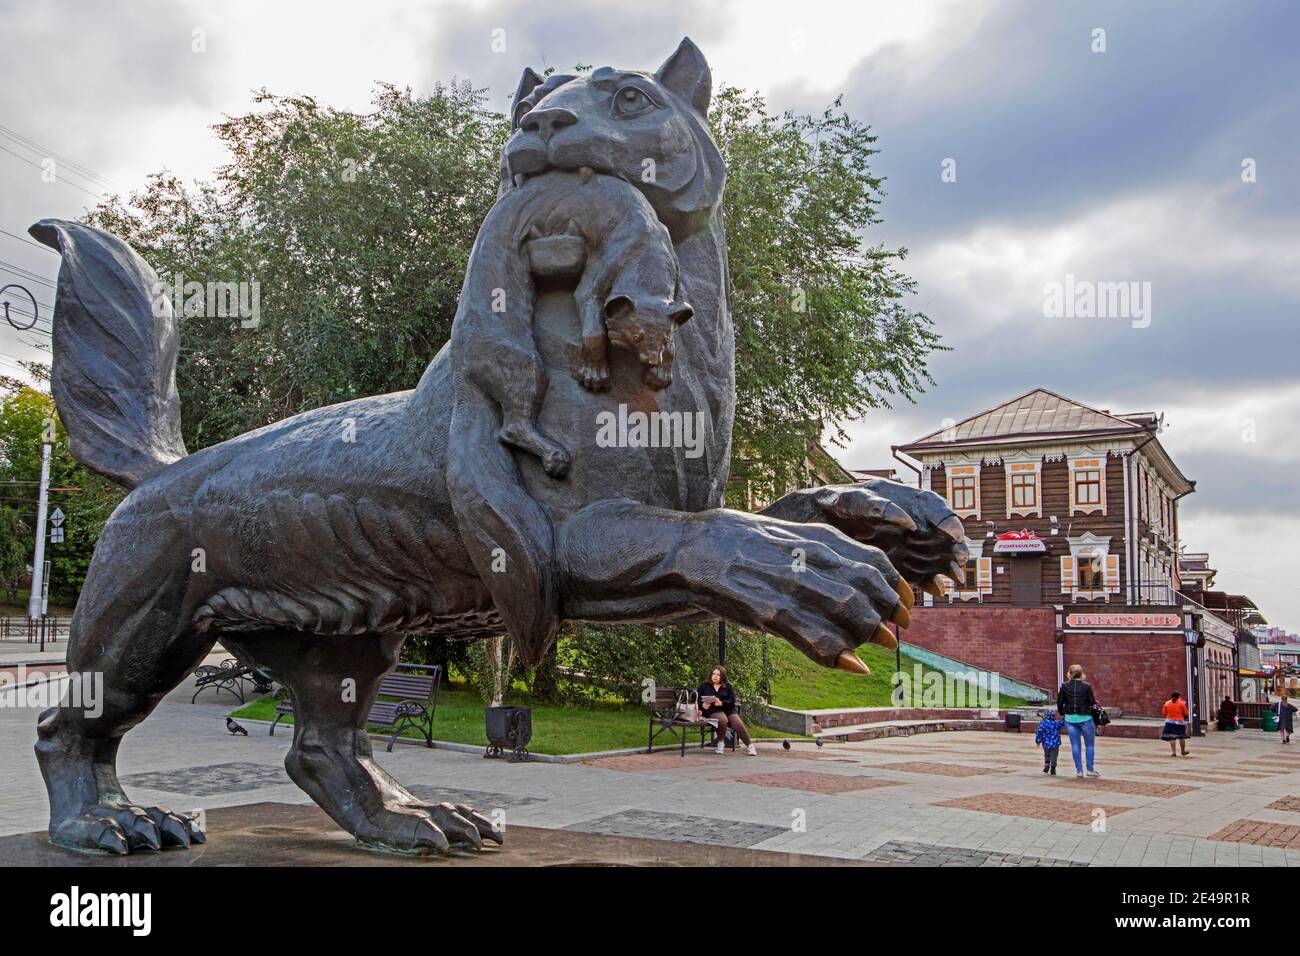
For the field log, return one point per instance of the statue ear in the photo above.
(686, 73)
(527, 83)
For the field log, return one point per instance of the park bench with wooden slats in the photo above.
(416, 688)
(663, 714)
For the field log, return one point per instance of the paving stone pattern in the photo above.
(210, 780)
(680, 826)
(925, 854)
(1037, 808)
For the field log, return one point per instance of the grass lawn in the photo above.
(20, 609)
(557, 729)
(809, 686)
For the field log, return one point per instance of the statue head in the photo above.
(646, 128)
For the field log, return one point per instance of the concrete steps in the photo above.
(905, 728)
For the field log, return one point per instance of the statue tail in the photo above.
(114, 364)
(509, 536)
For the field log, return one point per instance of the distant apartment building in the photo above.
(1277, 647)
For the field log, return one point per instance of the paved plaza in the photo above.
(959, 798)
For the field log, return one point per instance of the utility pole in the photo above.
(35, 609)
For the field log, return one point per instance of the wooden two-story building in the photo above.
(1071, 517)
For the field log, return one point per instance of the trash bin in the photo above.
(1268, 721)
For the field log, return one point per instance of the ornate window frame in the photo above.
(1034, 467)
(1090, 463)
(1089, 546)
(963, 471)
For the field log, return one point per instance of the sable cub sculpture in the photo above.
(594, 228)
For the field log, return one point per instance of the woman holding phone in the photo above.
(718, 702)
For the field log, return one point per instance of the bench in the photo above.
(663, 714)
(229, 675)
(416, 688)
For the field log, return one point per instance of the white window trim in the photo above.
(1089, 545)
(948, 477)
(1074, 465)
(1037, 471)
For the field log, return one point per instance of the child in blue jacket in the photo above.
(1048, 737)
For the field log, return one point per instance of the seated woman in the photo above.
(1227, 714)
(718, 702)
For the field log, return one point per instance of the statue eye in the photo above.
(632, 101)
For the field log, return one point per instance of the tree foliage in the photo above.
(26, 415)
(357, 229)
(823, 328)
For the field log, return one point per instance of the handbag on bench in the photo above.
(688, 706)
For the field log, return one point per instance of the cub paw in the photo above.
(556, 463)
(594, 378)
(657, 377)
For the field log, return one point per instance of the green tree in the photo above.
(357, 229)
(823, 330)
(27, 420)
(14, 553)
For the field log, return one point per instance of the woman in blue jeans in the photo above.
(1076, 701)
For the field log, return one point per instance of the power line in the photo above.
(36, 326)
(39, 346)
(20, 271)
(30, 242)
(32, 144)
(97, 196)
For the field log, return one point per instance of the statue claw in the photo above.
(953, 528)
(849, 661)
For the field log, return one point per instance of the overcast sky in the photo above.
(1122, 165)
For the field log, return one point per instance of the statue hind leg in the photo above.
(127, 649)
(332, 682)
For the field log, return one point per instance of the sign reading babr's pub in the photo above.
(1136, 621)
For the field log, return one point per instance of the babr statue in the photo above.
(314, 546)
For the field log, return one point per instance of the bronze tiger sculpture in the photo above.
(313, 546)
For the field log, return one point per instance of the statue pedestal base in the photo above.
(282, 834)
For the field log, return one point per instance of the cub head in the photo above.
(646, 128)
(644, 325)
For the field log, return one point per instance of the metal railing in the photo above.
(42, 631)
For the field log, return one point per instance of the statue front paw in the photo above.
(811, 584)
(914, 527)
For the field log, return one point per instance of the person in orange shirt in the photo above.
(1175, 714)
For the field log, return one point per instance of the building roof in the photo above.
(1039, 414)
(1042, 416)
